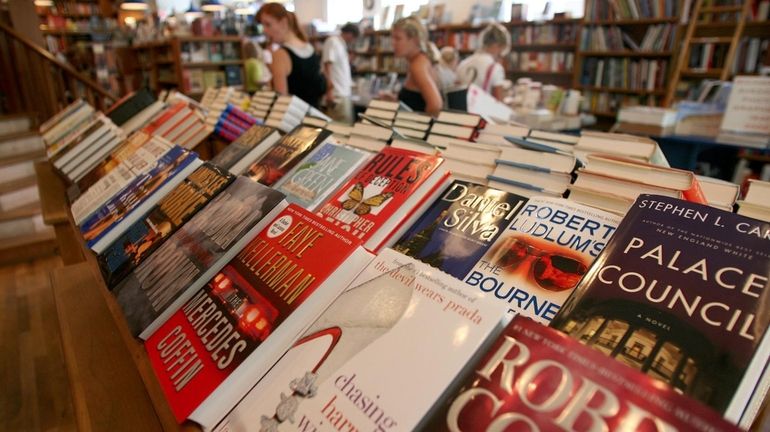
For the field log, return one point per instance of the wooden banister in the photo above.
(85, 80)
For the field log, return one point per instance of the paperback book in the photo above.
(317, 176)
(536, 263)
(681, 293)
(195, 253)
(460, 226)
(261, 301)
(559, 385)
(171, 212)
(286, 153)
(378, 358)
(107, 223)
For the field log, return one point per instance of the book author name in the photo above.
(757, 229)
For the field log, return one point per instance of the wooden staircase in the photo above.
(705, 28)
(23, 234)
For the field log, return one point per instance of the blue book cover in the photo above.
(144, 186)
(320, 174)
(460, 226)
(172, 211)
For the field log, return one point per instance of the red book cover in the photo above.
(216, 347)
(383, 194)
(534, 378)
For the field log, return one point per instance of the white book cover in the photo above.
(401, 328)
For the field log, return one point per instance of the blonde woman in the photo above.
(420, 90)
(483, 67)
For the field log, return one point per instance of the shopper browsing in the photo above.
(296, 67)
(483, 67)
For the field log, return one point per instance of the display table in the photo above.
(685, 151)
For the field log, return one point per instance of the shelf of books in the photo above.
(544, 50)
(309, 264)
(191, 64)
(625, 54)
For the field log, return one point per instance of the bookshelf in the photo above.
(544, 50)
(83, 32)
(721, 41)
(190, 63)
(626, 52)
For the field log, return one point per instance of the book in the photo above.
(553, 386)
(156, 288)
(679, 293)
(536, 263)
(649, 174)
(461, 118)
(263, 299)
(459, 227)
(286, 153)
(317, 176)
(129, 106)
(392, 333)
(247, 148)
(600, 199)
(552, 182)
(719, 193)
(107, 223)
(746, 114)
(145, 235)
(375, 202)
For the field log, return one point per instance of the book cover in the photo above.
(243, 147)
(460, 226)
(286, 153)
(171, 212)
(137, 192)
(681, 293)
(536, 263)
(378, 358)
(378, 190)
(318, 175)
(534, 378)
(260, 302)
(191, 256)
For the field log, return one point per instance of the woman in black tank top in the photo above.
(296, 67)
(420, 91)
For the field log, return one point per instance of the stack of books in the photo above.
(287, 113)
(369, 136)
(624, 145)
(261, 103)
(180, 123)
(756, 203)
(646, 120)
(457, 125)
(217, 104)
(85, 146)
(233, 123)
(527, 169)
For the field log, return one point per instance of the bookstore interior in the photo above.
(549, 215)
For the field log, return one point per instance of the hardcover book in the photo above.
(171, 212)
(195, 253)
(242, 152)
(536, 263)
(261, 300)
(378, 358)
(384, 193)
(135, 199)
(286, 153)
(559, 385)
(317, 176)
(681, 293)
(460, 226)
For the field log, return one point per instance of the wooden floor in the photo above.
(34, 392)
